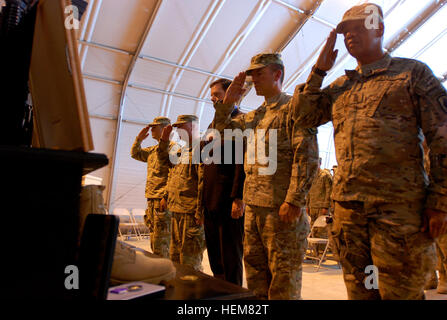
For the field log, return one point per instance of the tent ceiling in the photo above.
(146, 58)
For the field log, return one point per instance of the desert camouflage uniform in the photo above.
(184, 198)
(380, 188)
(319, 196)
(159, 223)
(274, 250)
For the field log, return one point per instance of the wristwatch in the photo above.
(319, 71)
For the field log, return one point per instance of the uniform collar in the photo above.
(367, 70)
(273, 99)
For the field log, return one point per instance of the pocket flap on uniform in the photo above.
(374, 100)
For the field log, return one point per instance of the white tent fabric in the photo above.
(147, 58)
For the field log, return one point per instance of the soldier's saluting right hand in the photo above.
(166, 133)
(327, 57)
(144, 133)
(235, 90)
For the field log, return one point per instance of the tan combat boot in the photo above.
(130, 264)
(91, 201)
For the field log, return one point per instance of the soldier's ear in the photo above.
(278, 74)
(381, 30)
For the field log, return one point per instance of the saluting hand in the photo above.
(235, 90)
(326, 59)
(143, 134)
(166, 133)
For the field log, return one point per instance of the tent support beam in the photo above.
(114, 160)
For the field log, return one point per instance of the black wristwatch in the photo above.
(319, 71)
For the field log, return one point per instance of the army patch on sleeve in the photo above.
(443, 103)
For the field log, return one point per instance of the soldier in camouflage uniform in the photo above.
(276, 224)
(157, 219)
(318, 203)
(184, 194)
(384, 203)
(319, 198)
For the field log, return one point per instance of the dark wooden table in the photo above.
(205, 287)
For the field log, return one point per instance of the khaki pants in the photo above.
(387, 236)
(273, 253)
(159, 224)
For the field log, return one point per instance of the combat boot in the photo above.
(91, 200)
(432, 283)
(130, 264)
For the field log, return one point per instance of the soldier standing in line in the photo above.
(184, 193)
(318, 203)
(319, 197)
(157, 218)
(384, 203)
(276, 225)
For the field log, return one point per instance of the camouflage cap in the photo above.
(361, 12)
(184, 118)
(160, 120)
(264, 59)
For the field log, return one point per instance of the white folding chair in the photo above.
(314, 241)
(137, 215)
(126, 223)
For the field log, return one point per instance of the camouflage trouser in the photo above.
(387, 236)
(159, 224)
(441, 248)
(273, 253)
(187, 240)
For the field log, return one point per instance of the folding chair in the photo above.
(138, 218)
(126, 223)
(314, 241)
